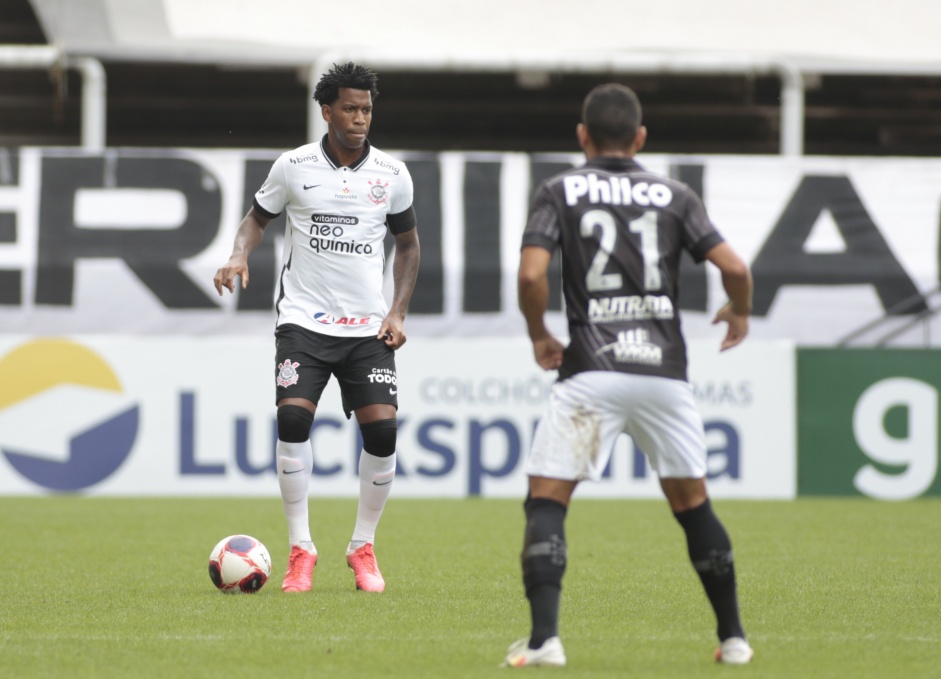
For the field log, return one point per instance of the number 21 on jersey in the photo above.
(645, 225)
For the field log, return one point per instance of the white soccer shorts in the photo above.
(587, 412)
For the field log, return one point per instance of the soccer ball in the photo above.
(239, 563)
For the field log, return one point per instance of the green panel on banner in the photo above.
(868, 422)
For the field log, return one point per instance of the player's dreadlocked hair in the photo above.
(348, 75)
(612, 115)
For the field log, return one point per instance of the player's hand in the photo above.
(548, 351)
(225, 276)
(738, 326)
(392, 331)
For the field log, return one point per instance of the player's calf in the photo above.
(543, 561)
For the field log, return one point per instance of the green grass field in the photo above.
(104, 587)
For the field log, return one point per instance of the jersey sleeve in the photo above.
(272, 197)
(543, 227)
(402, 221)
(403, 196)
(700, 233)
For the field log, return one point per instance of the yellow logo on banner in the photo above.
(33, 368)
(66, 423)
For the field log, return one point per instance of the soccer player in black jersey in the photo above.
(620, 230)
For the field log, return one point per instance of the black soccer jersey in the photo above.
(621, 230)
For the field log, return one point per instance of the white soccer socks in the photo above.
(295, 461)
(375, 484)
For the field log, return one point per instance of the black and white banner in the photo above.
(128, 241)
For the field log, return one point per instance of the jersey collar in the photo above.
(614, 163)
(332, 159)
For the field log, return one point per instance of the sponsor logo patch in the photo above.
(304, 159)
(634, 346)
(615, 191)
(629, 308)
(383, 376)
(329, 319)
(386, 165)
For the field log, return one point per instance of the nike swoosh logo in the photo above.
(393, 391)
(310, 186)
(292, 471)
(384, 483)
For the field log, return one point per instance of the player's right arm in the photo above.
(737, 281)
(249, 235)
(533, 301)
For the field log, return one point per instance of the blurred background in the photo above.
(872, 84)
(134, 134)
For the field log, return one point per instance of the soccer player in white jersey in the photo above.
(621, 231)
(341, 196)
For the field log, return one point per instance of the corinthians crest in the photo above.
(287, 373)
(377, 192)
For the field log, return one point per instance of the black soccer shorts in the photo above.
(305, 360)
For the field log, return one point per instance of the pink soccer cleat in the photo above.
(366, 570)
(300, 570)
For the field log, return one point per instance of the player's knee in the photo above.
(379, 437)
(544, 550)
(294, 423)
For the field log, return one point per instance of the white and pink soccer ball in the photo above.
(239, 563)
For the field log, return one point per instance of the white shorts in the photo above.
(587, 412)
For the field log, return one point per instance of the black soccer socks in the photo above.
(543, 560)
(710, 552)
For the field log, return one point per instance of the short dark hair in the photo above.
(348, 75)
(611, 113)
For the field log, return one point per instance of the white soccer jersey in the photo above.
(332, 263)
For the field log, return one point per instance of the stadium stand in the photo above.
(206, 105)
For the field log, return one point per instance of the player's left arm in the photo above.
(404, 275)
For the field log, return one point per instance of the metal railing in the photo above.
(792, 81)
(891, 326)
(94, 85)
